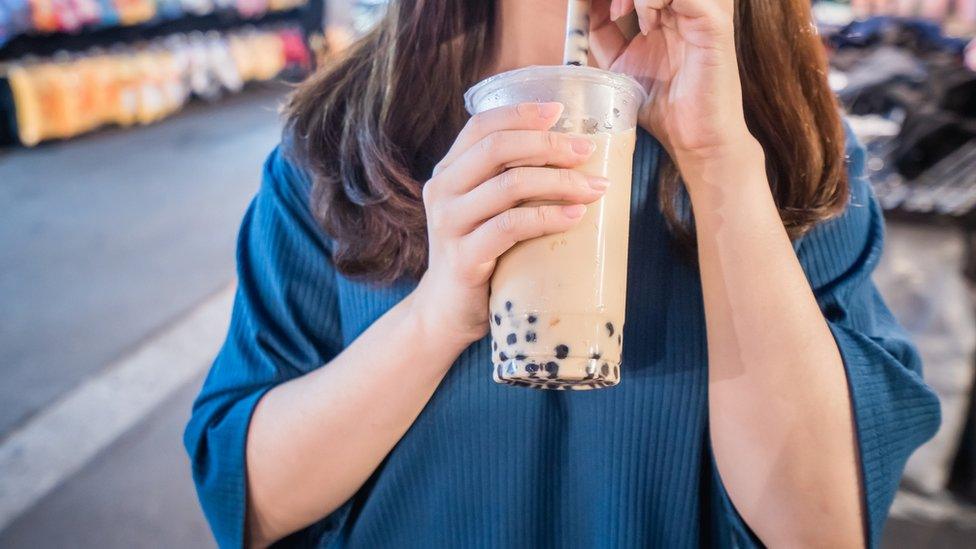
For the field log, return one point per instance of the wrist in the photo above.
(737, 163)
(734, 148)
(428, 328)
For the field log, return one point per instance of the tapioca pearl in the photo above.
(532, 319)
(610, 329)
(532, 367)
(502, 356)
(498, 320)
(620, 339)
(530, 337)
(511, 369)
(508, 305)
(494, 345)
(552, 367)
(562, 351)
(520, 356)
(595, 356)
(498, 371)
(605, 369)
(512, 339)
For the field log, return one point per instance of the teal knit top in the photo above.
(488, 465)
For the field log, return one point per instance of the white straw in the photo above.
(577, 48)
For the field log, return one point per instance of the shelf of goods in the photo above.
(70, 66)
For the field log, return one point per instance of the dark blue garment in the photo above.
(919, 35)
(487, 465)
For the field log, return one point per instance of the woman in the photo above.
(352, 403)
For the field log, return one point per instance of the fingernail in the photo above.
(550, 110)
(598, 183)
(613, 11)
(643, 25)
(583, 146)
(575, 211)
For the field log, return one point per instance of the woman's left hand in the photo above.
(686, 59)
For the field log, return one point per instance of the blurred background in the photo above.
(132, 134)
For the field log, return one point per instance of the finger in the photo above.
(620, 8)
(510, 148)
(607, 42)
(523, 116)
(701, 8)
(497, 235)
(520, 185)
(648, 13)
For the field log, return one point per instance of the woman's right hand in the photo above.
(481, 201)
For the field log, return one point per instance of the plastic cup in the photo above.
(558, 302)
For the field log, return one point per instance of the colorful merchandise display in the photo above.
(71, 16)
(71, 94)
(15, 19)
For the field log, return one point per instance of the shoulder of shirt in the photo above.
(287, 184)
(283, 169)
(851, 242)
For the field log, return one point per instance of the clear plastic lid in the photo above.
(595, 100)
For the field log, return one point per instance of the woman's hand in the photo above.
(685, 58)
(478, 207)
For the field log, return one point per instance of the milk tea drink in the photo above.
(558, 302)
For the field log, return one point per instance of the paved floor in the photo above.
(78, 287)
(136, 493)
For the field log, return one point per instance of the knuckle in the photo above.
(506, 222)
(489, 145)
(580, 181)
(476, 123)
(435, 219)
(520, 110)
(551, 141)
(568, 179)
(510, 181)
(427, 193)
(542, 215)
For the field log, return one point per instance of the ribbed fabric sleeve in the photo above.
(894, 411)
(285, 323)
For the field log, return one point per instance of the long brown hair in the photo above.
(370, 127)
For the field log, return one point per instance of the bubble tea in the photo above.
(558, 302)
